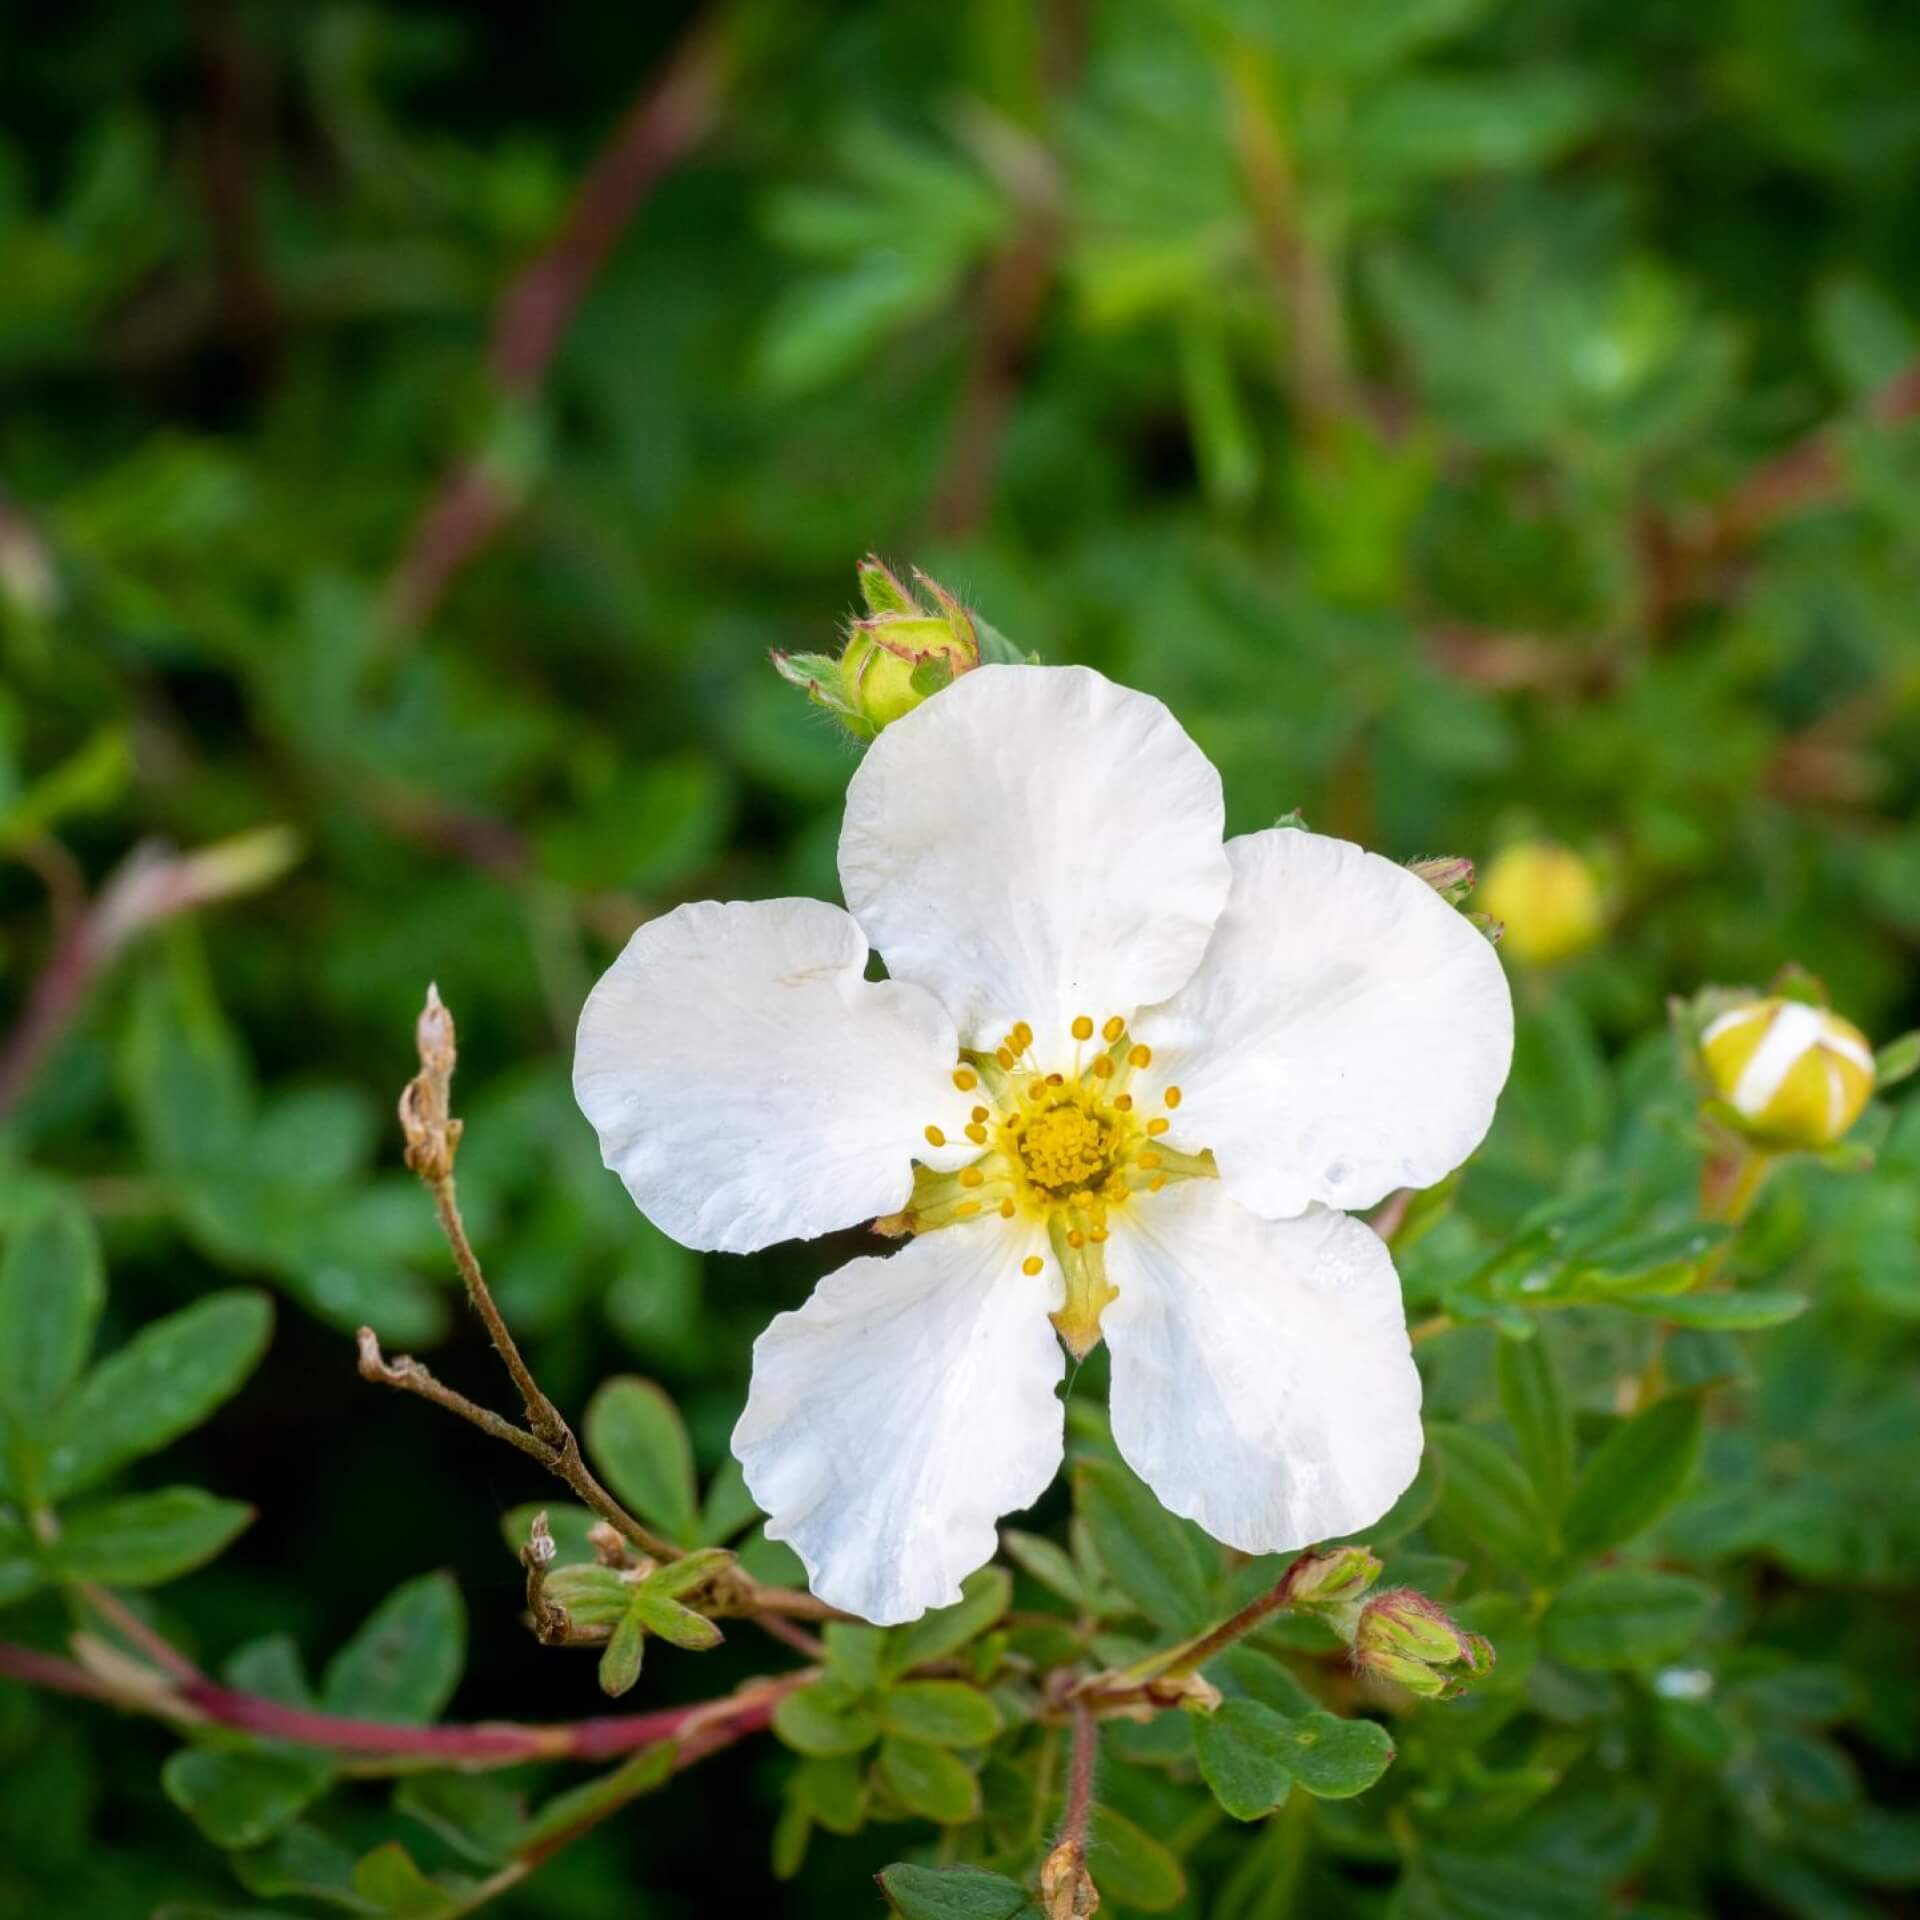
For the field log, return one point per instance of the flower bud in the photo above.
(913, 642)
(1547, 897)
(1793, 1075)
(1329, 1581)
(1405, 1638)
(1451, 876)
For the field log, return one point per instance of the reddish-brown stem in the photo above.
(51, 1674)
(1279, 1596)
(706, 1724)
(55, 997)
(674, 112)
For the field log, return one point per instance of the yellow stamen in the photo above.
(1149, 1159)
(1139, 1056)
(972, 1177)
(1076, 1239)
(1022, 1035)
(1006, 1209)
(1113, 1029)
(1158, 1181)
(965, 1079)
(935, 1138)
(1157, 1125)
(1123, 1102)
(976, 1133)
(1103, 1067)
(1032, 1264)
(1171, 1096)
(1005, 1056)
(1082, 1027)
(979, 1113)
(967, 1209)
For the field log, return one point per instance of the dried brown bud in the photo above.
(433, 1135)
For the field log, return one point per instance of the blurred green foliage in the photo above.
(1474, 419)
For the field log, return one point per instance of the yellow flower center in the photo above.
(1061, 1149)
(1066, 1147)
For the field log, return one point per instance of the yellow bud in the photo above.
(1797, 1076)
(1548, 899)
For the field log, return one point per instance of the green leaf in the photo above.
(390, 1881)
(1243, 1752)
(947, 1713)
(1244, 1672)
(853, 1654)
(20, 1572)
(1487, 1493)
(405, 1661)
(620, 1661)
(668, 1620)
(270, 1666)
(822, 1721)
(302, 1861)
(477, 1817)
(638, 1440)
(243, 1799)
(144, 1539)
(930, 1781)
(51, 1292)
(1720, 1312)
(1052, 1566)
(1624, 1617)
(1255, 1750)
(985, 1595)
(186, 1081)
(1536, 1410)
(955, 1893)
(1130, 1867)
(1146, 1551)
(1634, 1476)
(834, 1792)
(729, 1505)
(165, 1381)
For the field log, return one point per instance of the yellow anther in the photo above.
(979, 1113)
(1006, 1209)
(1157, 1125)
(1149, 1159)
(972, 1177)
(976, 1133)
(1113, 1029)
(1005, 1056)
(1097, 1234)
(1171, 1096)
(1082, 1027)
(965, 1079)
(1138, 1055)
(967, 1209)
(1022, 1035)
(1076, 1239)
(935, 1138)
(1032, 1264)
(1158, 1181)
(1056, 1080)
(1036, 1089)
(1103, 1067)
(1123, 1102)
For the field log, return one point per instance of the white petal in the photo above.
(1263, 1383)
(749, 1086)
(1347, 1033)
(897, 1415)
(1035, 843)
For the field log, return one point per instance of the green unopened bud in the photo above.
(1548, 899)
(1330, 1581)
(1787, 1074)
(913, 642)
(1451, 876)
(1405, 1638)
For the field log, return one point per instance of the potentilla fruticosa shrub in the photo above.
(1197, 1106)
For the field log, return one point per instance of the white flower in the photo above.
(1120, 1080)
